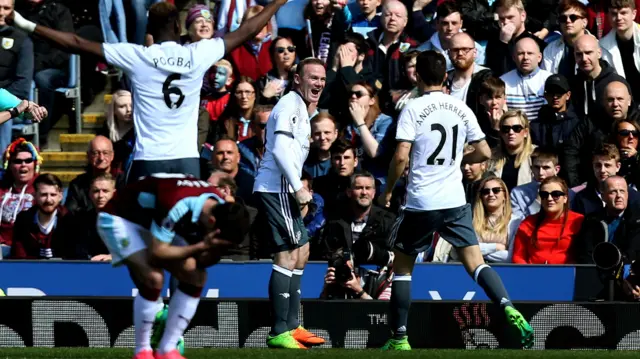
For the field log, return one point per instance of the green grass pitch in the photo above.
(86, 353)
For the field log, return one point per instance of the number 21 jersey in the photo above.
(438, 126)
(166, 80)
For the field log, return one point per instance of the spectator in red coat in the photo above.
(40, 232)
(545, 238)
(252, 59)
(21, 164)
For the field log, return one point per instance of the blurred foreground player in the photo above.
(173, 222)
(432, 131)
(166, 79)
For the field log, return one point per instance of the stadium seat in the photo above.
(28, 128)
(73, 89)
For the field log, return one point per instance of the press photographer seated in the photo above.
(344, 281)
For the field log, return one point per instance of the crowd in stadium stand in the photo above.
(552, 84)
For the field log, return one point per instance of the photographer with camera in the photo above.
(344, 281)
(610, 238)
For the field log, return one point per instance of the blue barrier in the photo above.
(250, 280)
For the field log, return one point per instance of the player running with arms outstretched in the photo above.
(279, 194)
(432, 131)
(171, 222)
(166, 79)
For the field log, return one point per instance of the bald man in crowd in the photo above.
(100, 157)
(524, 86)
(226, 158)
(466, 77)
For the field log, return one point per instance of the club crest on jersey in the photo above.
(124, 243)
(404, 47)
(7, 43)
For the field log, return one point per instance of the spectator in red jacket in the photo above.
(21, 164)
(545, 238)
(252, 59)
(40, 232)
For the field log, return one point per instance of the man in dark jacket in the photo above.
(359, 226)
(617, 223)
(50, 63)
(332, 186)
(556, 119)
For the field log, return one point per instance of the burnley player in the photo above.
(166, 78)
(279, 194)
(432, 130)
(171, 222)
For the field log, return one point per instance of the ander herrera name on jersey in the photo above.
(442, 105)
(171, 61)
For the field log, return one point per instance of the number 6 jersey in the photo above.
(166, 79)
(438, 126)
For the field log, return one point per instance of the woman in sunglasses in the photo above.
(512, 158)
(21, 165)
(368, 128)
(625, 136)
(491, 218)
(546, 237)
(277, 82)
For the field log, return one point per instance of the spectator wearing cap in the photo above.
(22, 164)
(556, 119)
(252, 59)
(368, 129)
(524, 86)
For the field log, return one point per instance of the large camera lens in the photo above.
(607, 256)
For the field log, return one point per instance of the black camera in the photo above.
(610, 263)
(339, 261)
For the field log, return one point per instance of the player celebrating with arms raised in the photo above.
(171, 222)
(166, 79)
(432, 131)
(279, 194)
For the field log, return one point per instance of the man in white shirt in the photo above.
(166, 79)
(524, 85)
(432, 131)
(279, 194)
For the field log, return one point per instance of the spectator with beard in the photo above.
(226, 158)
(466, 77)
(41, 232)
(87, 244)
(324, 131)
(591, 132)
(556, 119)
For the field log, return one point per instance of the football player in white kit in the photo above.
(166, 79)
(279, 194)
(432, 131)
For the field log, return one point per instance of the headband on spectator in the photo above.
(11, 149)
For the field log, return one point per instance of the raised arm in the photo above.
(68, 41)
(249, 28)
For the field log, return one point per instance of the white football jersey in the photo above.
(291, 117)
(166, 79)
(438, 126)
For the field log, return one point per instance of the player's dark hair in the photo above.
(432, 68)
(47, 179)
(356, 39)
(164, 20)
(233, 221)
(341, 146)
(308, 61)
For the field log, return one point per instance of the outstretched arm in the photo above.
(249, 28)
(68, 41)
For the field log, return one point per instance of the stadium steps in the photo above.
(75, 142)
(66, 176)
(63, 161)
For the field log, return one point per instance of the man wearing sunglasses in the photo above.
(432, 131)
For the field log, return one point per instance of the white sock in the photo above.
(144, 313)
(182, 308)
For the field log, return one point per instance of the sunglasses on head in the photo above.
(290, 49)
(626, 133)
(486, 191)
(554, 194)
(572, 17)
(358, 94)
(516, 128)
(17, 161)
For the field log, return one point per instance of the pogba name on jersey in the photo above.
(171, 61)
(446, 106)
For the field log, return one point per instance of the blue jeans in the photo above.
(140, 9)
(47, 81)
(106, 7)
